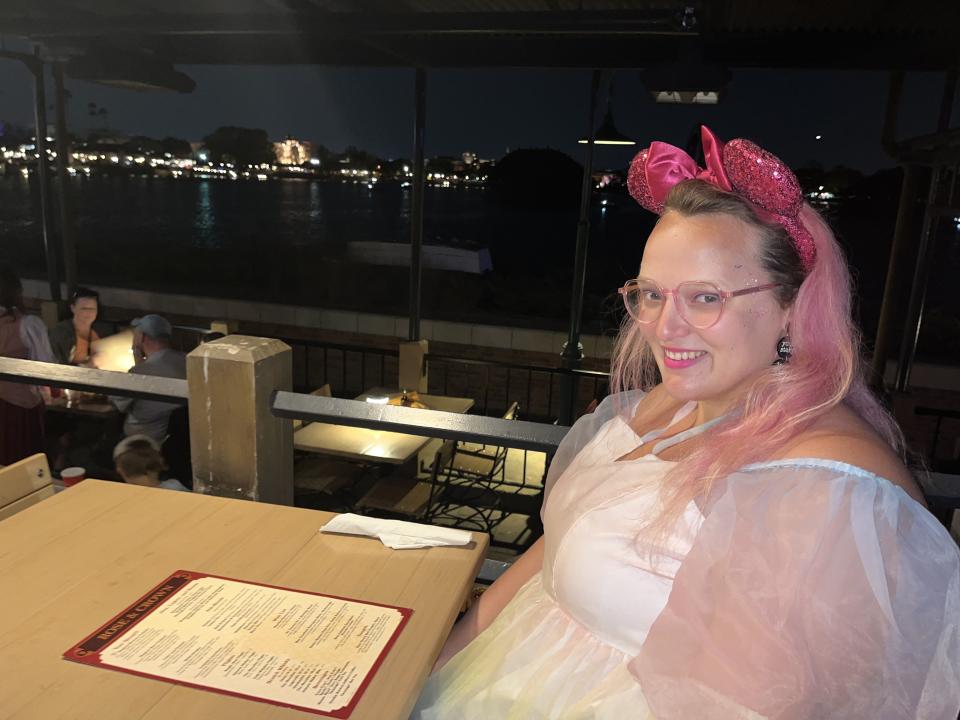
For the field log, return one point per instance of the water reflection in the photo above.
(205, 219)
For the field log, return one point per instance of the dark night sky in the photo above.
(488, 111)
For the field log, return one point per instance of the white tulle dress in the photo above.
(808, 589)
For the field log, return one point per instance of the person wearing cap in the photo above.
(138, 461)
(152, 356)
(73, 338)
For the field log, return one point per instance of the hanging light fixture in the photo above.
(607, 133)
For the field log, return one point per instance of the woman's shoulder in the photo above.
(841, 436)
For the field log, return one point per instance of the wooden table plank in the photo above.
(73, 561)
(372, 445)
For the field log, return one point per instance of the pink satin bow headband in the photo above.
(738, 166)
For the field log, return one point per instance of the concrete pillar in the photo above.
(413, 367)
(239, 449)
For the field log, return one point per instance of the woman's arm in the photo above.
(485, 610)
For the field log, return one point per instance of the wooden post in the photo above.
(227, 327)
(239, 449)
(413, 367)
(50, 313)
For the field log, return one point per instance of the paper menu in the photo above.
(288, 647)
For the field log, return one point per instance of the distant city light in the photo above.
(818, 137)
(314, 161)
(202, 156)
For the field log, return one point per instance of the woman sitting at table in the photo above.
(73, 338)
(742, 540)
(23, 337)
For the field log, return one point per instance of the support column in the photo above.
(918, 289)
(43, 177)
(50, 313)
(238, 448)
(226, 327)
(413, 365)
(899, 257)
(63, 183)
(572, 353)
(416, 203)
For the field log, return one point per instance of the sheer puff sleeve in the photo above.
(813, 590)
(583, 430)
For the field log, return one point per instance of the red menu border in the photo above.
(88, 650)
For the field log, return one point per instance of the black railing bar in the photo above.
(103, 382)
(529, 405)
(508, 390)
(517, 366)
(304, 342)
(549, 412)
(520, 434)
(326, 367)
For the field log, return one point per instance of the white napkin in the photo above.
(397, 534)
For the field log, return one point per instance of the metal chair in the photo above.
(409, 495)
(463, 498)
(484, 462)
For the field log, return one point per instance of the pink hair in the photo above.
(825, 370)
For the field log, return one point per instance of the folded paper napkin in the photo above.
(397, 534)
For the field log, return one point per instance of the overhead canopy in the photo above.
(469, 33)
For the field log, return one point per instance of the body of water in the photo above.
(284, 240)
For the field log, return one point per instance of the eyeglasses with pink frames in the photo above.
(700, 304)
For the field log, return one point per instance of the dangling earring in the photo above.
(784, 351)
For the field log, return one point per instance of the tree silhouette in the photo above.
(537, 178)
(244, 146)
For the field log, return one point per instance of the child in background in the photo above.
(138, 461)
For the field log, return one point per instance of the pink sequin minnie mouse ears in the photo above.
(738, 166)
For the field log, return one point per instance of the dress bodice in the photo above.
(597, 566)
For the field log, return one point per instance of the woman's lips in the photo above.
(677, 359)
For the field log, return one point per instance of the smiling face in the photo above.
(714, 365)
(84, 311)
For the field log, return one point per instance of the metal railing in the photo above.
(310, 408)
(348, 369)
(104, 382)
(425, 423)
(494, 385)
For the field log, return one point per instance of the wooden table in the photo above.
(373, 445)
(71, 562)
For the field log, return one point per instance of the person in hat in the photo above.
(734, 532)
(152, 356)
(139, 461)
